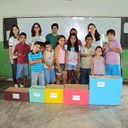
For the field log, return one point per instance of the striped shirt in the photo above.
(38, 66)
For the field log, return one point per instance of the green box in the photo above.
(36, 94)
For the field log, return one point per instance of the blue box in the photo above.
(36, 94)
(105, 90)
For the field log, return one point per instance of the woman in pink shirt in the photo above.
(60, 59)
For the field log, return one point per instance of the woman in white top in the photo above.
(13, 40)
(95, 34)
(36, 34)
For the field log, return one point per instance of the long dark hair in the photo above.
(97, 35)
(59, 37)
(11, 31)
(33, 31)
(70, 44)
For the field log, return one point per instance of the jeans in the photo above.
(84, 76)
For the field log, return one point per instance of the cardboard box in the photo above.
(16, 94)
(76, 94)
(36, 94)
(54, 94)
(105, 90)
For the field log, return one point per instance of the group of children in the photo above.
(60, 59)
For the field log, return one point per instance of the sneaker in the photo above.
(16, 85)
(21, 86)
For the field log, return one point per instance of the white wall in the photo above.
(34, 8)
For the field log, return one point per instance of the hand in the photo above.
(11, 61)
(109, 46)
(78, 69)
(59, 70)
(105, 46)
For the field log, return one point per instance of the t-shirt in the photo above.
(86, 61)
(111, 56)
(34, 39)
(52, 39)
(22, 49)
(12, 42)
(38, 66)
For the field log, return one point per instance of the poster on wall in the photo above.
(120, 25)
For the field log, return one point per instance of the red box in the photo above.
(76, 94)
(16, 94)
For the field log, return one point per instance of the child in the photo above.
(73, 62)
(21, 51)
(97, 64)
(60, 59)
(37, 69)
(87, 52)
(49, 63)
(13, 40)
(52, 37)
(112, 51)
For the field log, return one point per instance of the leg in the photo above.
(41, 78)
(64, 78)
(25, 74)
(76, 76)
(52, 76)
(15, 70)
(47, 75)
(116, 70)
(34, 78)
(58, 79)
(88, 74)
(82, 76)
(69, 76)
(108, 69)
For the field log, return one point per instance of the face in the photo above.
(22, 38)
(92, 29)
(15, 31)
(73, 31)
(54, 29)
(48, 47)
(73, 39)
(110, 36)
(61, 41)
(36, 47)
(88, 40)
(36, 28)
(98, 51)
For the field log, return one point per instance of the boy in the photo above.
(49, 63)
(52, 37)
(112, 51)
(21, 51)
(86, 55)
(37, 69)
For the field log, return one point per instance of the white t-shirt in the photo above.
(34, 39)
(96, 43)
(12, 42)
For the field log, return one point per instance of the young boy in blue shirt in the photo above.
(37, 69)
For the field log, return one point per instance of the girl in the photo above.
(73, 63)
(49, 63)
(60, 59)
(95, 34)
(36, 34)
(13, 40)
(98, 64)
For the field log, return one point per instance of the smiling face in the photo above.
(48, 47)
(22, 38)
(61, 41)
(54, 30)
(15, 30)
(110, 36)
(36, 28)
(88, 40)
(72, 39)
(98, 51)
(92, 29)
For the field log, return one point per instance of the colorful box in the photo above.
(16, 94)
(54, 94)
(105, 90)
(36, 94)
(76, 94)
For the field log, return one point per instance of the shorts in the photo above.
(49, 76)
(71, 67)
(22, 70)
(113, 69)
(62, 66)
(37, 77)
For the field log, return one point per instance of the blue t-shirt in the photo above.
(38, 66)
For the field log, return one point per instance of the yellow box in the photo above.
(54, 94)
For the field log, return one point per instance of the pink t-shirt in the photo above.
(111, 56)
(61, 56)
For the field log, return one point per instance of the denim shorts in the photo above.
(49, 76)
(37, 77)
(62, 66)
(22, 70)
(71, 67)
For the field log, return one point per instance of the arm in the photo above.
(78, 64)
(45, 60)
(92, 66)
(11, 55)
(35, 61)
(66, 58)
